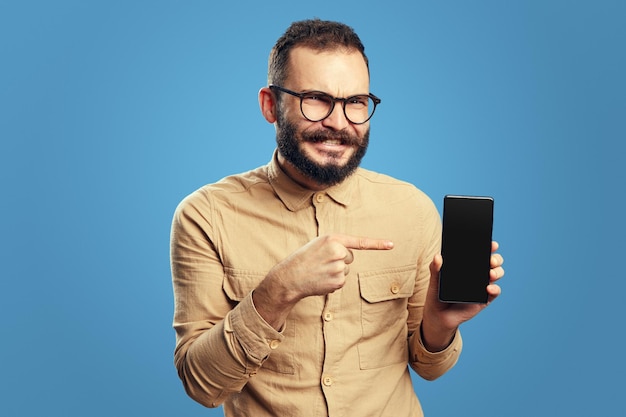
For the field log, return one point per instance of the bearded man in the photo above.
(307, 287)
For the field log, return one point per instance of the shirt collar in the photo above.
(295, 197)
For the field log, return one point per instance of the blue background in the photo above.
(112, 111)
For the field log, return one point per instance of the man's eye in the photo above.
(316, 99)
(358, 101)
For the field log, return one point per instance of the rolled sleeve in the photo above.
(257, 338)
(236, 348)
(431, 365)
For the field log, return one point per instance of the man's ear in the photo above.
(267, 102)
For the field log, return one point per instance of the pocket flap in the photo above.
(387, 284)
(239, 283)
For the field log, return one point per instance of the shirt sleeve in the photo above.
(431, 365)
(220, 343)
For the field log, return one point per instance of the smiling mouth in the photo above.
(333, 141)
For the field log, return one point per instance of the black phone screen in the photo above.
(466, 249)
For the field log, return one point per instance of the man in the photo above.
(305, 287)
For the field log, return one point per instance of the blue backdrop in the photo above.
(112, 111)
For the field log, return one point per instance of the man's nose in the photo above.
(337, 118)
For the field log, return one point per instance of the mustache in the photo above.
(342, 136)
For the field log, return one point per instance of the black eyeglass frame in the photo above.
(333, 100)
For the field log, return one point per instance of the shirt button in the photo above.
(395, 288)
(327, 381)
(319, 197)
(274, 344)
(328, 316)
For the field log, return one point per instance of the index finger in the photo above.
(364, 243)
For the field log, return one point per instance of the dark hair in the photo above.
(320, 35)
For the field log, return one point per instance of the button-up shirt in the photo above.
(343, 354)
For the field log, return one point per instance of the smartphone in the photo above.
(466, 249)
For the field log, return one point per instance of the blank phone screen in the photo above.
(466, 249)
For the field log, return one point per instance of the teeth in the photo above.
(332, 142)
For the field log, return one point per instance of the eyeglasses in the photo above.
(317, 105)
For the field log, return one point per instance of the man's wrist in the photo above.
(436, 340)
(271, 303)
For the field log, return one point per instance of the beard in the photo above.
(288, 140)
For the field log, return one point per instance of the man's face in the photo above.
(328, 151)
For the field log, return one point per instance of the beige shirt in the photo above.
(344, 354)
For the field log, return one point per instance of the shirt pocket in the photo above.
(237, 285)
(384, 300)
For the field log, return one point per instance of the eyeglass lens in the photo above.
(318, 106)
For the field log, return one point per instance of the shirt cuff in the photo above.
(257, 338)
(422, 355)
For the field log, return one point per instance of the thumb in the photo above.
(435, 267)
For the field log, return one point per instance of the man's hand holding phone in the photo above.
(462, 288)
